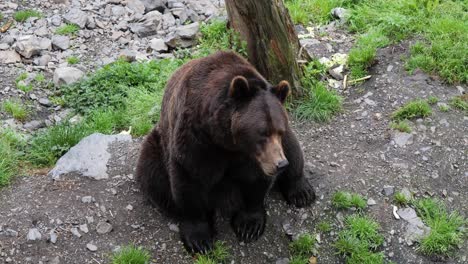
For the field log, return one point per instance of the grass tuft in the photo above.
(131, 255)
(432, 100)
(401, 125)
(413, 109)
(216, 36)
(324, 226)
(359, 240)
(219, 254)
(23, 15)
(11, 143)
(73, 60)
(345, 200)
(16, 109)
(447, 229)
(444, 108)
(67, 29)
(460, 102)
(401, 199)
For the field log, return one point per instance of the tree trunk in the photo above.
(272, 43)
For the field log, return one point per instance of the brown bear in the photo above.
(222, 141)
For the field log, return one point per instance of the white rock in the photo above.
(67, 75)
(76, 16)
(89, 157)
(91, 247)
(28, 46)
(34, 234)
(61, 42)
(9, 56)
(158, 45)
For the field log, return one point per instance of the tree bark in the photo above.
(272, 43)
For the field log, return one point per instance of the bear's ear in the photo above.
(282, 90)
(239, 87)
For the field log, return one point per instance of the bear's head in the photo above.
(260, 121)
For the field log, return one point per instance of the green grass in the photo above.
(11, 145)
(40, 78)
(215, 36)
(359, 241)
(73, 60)
(312, 11)
(67, 29)
(131, 255)
(219, 254)
(301, 249)
(1, 16)
(444, 108)
(447, 229)
(20, 83)
(401, 199)
(345, 200)
(412, 109)
(401, 125)
(432, 100)
(319, 103)
(16, 109)
(324, 226)
(23, 15)
(460, 103)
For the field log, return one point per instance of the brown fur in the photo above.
(222, 140)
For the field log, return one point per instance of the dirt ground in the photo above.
(355, 152)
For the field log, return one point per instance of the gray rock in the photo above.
(136, 6)
(43, 60)
(56, 20)
(151, 5)
(91, 247)
(4, 46)
(340, 13)
(388, 190)
(8, 39)
(75, 232)
(67, 75)
(9, 56)
(84, 228)
(168, 21)
(337, 72)
(89, 157)
(147, 25)
(402, 139)
(10, 233)
(158, 45)
(371, 202)
(45, 102)
(76, 16)
(53, 237)
(180, 13)
(34, 234)
(173, 41)
(61, 42)
(103, 228)
(33, 125)
(188, 31)
(415, 228)
(41, 32)
(29, 46)
(87, 199)
(118, 11)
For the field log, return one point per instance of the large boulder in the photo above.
(29, 46)
(89, 157)
(147, 25)
(67, 75)
(9, 56)
(76, 16)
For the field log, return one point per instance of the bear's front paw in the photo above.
(197, 237)
(249, 226)
(301, 194)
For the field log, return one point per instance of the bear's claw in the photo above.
(197, 238)
(301, 195)
(248, 227)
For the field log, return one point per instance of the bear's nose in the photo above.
(282, 165)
